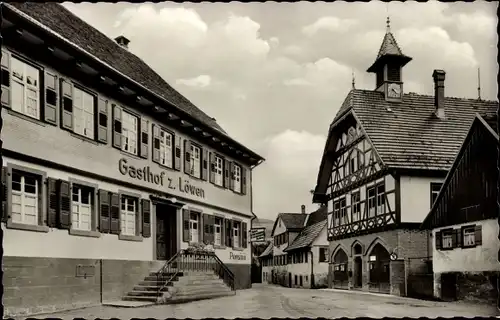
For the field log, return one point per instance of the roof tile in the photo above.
(307, 236)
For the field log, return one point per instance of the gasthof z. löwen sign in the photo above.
(161, 179)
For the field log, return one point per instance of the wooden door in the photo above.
(166, 232)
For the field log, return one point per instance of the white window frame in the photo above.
(166, 148)
(218, 234)
(434, 191)
(194, 220)
(371, 202)
(218, 170)
(447, 240)
(195, 161)
(127, 215)
(76, 215)
(336, 213)
(130, 132)
(236, 235)
(20, 217)
(356, 203)
(83, 113)
(342, 211)
(469, 236)
(380, 199)
(237, 178)
(15, 81)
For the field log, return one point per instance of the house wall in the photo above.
(320, 268)
(471, 273)
(415, 197)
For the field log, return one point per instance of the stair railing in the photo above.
(195, 261)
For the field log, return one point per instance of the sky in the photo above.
(275, 74)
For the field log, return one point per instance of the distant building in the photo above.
(384, 162)
(464, 220)
(299, 252)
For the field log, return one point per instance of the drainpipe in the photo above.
(312, 268)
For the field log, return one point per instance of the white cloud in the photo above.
(330, 24)
(200, 81)
(478, 23)
(274, 41)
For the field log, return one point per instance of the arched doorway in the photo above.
(378, 266)
(340, 274)
(358, 266)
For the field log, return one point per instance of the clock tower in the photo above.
(388, 67)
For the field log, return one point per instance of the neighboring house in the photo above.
(298, 254)
(108, 171)
(386, 156)
(464, 220)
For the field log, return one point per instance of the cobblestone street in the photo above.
(266, 301)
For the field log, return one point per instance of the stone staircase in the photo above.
(181, 287)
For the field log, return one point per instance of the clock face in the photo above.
(394, 90)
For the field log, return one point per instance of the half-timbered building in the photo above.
(108, 172)
(464, 221)
(386, 156)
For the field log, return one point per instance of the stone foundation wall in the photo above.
(242, 275)
(478, 287)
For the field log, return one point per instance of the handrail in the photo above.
(185, 260)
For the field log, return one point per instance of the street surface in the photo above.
(266, 301)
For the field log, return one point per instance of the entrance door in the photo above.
(358, 272)
(379, 269)
(166, 231)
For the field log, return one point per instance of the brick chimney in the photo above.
(122, 41)
(303, 209)
(439, 76)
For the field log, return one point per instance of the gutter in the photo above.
(312, 267)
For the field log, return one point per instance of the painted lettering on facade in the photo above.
(234, 256)
(159, 179)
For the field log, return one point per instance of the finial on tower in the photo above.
(478, 83)
(388, 24)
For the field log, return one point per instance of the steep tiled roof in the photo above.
(317, 216)
(389, 46)
(408, 134)
(59, 19)
(293, 220)
(268, 250)
(307, 236)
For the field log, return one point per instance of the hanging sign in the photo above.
(257, 234)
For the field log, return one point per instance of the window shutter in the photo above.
(104, 211)
(212, 167)
(6, 100)
(231, 175)
(102, 120)
(478, 235)
(212, 229)
(50, 110)
(146, 218)
(438, 240)
(114, 223)
(187, 156)
(228, 235)
(226, 173)
(243, 180)
(204, 167)
(5, 211)
(454, 238)
(66, 104)
(64, 204)
(177, 153)
(186, 236)
(244, 234)
(156, 143)
(117, 126)
(144, 142)
(52, 202)
(458, 238)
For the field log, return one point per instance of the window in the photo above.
(25, 88)
(83, 113)
(195, 161)
(469, 236)
(343, 211)
(435, 187)
(128, 216)
(193, 226)
(81, 211)
(295, 279)
(356, 206)
(353, 162)
(380, 199)
(336, 213)
(236, 234)
(447, 239)
(218, 231)
(323, 254)
(129, 132)
(373, 258)
(218, 169)
(25, 199)
(237, 178)
(166, 150)
(371, 202)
